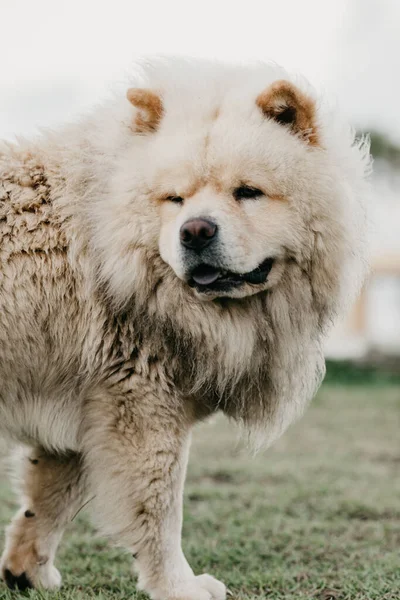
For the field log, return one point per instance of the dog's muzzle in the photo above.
(199, 241)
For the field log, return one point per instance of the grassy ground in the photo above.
(315, 517)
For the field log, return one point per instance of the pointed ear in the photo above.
(286, 104)
(149, 109)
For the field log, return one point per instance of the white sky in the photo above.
(57, 58)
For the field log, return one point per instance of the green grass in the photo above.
(315, 517)
(343, 372)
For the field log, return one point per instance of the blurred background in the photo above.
(58, 59)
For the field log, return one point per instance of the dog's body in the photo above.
(158, 263)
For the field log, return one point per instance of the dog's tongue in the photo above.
(205, 274)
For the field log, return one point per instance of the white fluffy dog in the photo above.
(174, 254)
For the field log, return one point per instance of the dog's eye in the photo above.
(245, 191)
(176, 199)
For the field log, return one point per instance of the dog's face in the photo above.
(230, 189)
(224, 233)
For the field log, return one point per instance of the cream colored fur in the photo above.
(107, 357)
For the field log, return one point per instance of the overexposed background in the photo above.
(57, 59)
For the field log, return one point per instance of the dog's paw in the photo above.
(45, 577)
(14, 582)
(202, 587)
(214, 587)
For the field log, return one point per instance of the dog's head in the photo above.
(229, 177)
(229, 185)
(226, 188)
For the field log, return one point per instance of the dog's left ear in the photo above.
(149, 109)
(286, 104)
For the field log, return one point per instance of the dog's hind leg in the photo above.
(52, 490)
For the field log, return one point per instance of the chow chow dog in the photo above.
(180, 251)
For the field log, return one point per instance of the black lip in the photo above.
(230, 279)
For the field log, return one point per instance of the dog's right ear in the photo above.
(284, 103)
(149, 109)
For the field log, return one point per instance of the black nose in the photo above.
(196, 234)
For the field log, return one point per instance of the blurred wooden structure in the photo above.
(384, 265)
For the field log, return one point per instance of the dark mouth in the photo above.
(208, 278)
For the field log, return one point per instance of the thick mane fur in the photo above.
(260, 359)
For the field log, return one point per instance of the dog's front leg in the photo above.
(136, 449)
